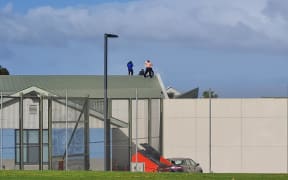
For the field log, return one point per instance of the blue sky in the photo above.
(236, 48)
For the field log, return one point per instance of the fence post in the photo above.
(50, 133)
(41, 133)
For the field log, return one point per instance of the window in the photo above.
(31, 146)
(193, 163)
(178, 162)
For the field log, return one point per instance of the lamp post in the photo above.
(107, 149)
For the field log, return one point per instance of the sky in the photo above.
(239, 49)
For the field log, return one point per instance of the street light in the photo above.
(107, 149)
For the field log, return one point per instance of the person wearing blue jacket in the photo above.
(130, 68)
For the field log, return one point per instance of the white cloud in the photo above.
(8, 8)
(224, 23)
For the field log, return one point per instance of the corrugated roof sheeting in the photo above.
(84, 85)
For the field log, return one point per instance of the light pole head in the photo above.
(111, 35)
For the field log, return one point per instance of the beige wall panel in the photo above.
(181, 151)
(120, 110)
(226, 159)
(202, 107)
(264, 108)
(268, 159)
(155, 123)
(183, 106)
(191, 141)
(179, 138)
(186, 134)
(202, 132)
(202, 143)
(226, 131)
(186, 108)
(248, 135)
(227, 108)
(142, 109)
(11, 116)
(186, 142)
(264, 131)
(202, 157)
(142, 121)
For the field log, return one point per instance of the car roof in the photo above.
(178, 158)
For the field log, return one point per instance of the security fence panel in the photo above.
(120, 136)
(9, 124)
(44, 132)
(68, 133)
(155, 126)
(96, 131)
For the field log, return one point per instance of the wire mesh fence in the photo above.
(67, 133)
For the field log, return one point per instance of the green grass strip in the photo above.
(87, 175)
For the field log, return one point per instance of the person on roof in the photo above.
(141, 72)
(130, 68)
(148, 70)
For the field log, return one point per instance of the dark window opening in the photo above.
(31, 146)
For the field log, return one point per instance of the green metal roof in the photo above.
(84, 85)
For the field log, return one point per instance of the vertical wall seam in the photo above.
(287, 132)
(241, 133)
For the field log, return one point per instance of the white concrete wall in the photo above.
(185, 132)
(10, 116)
(248, 135)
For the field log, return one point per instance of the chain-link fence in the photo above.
(67, 133)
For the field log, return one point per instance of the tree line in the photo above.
(4, 71)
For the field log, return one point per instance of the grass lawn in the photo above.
(87, 175)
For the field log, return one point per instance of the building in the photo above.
(56, 122)
(174, 94)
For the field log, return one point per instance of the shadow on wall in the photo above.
(120, 150)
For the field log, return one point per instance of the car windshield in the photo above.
(188, 162)
(177, 162)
